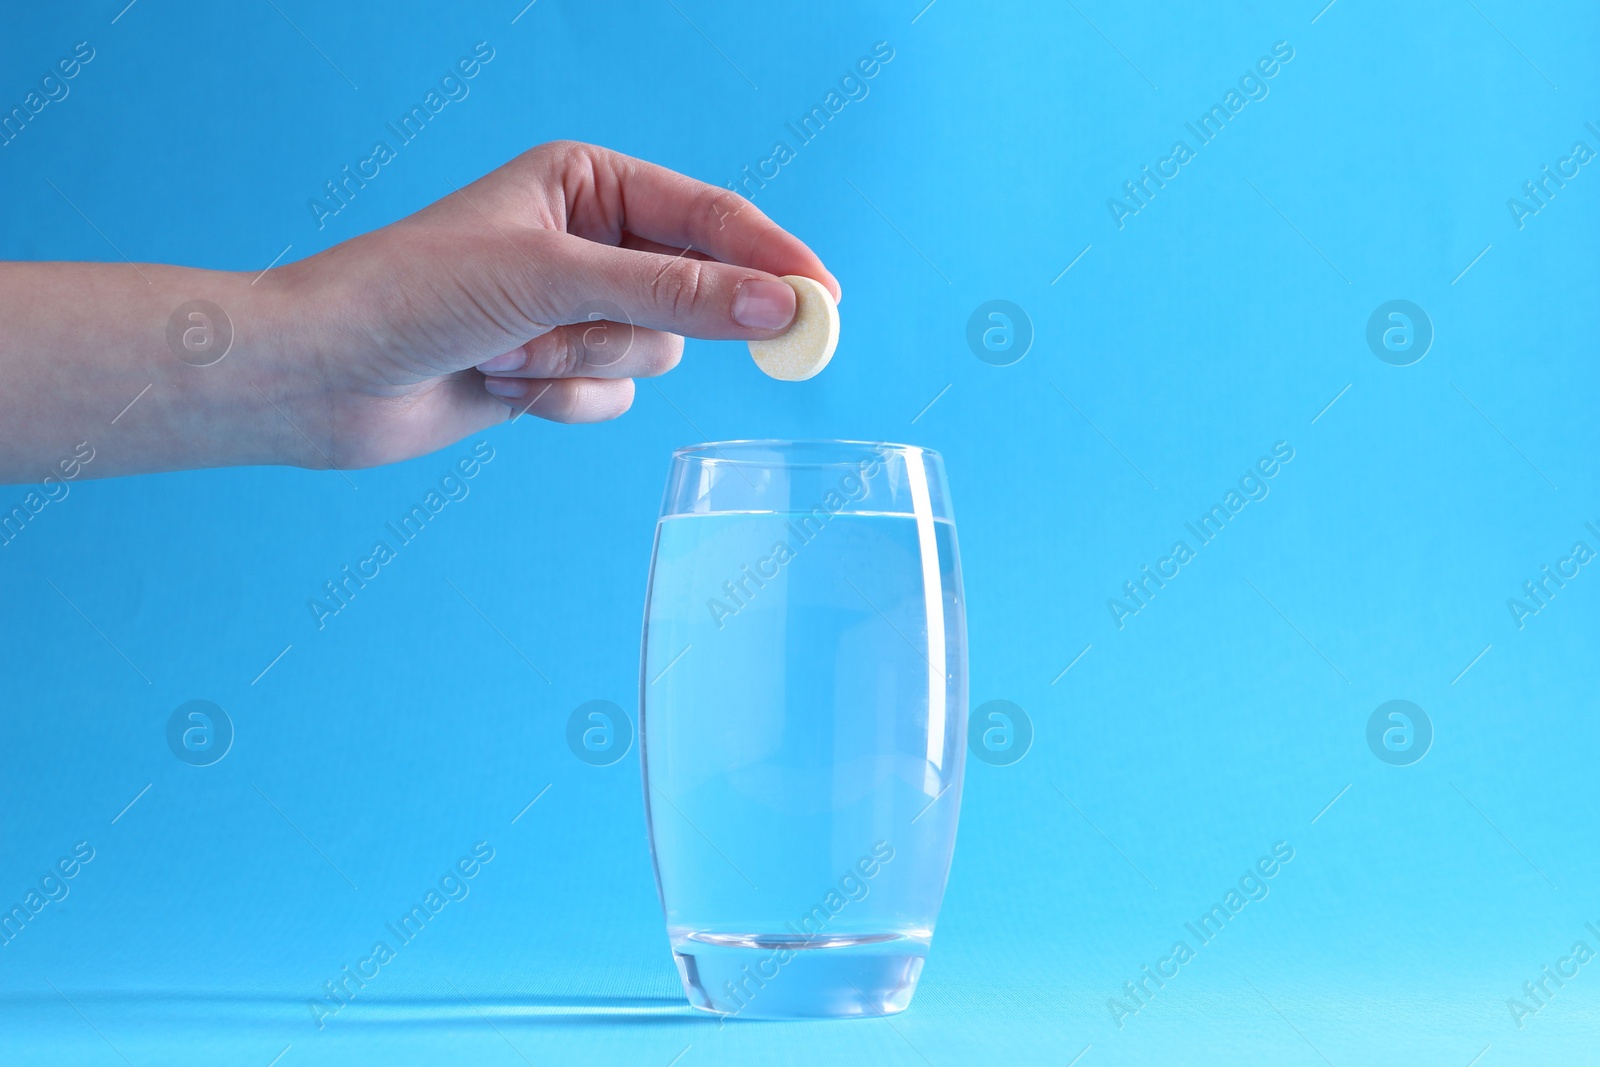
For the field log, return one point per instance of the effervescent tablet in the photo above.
(801, 351)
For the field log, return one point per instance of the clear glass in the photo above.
(803, 717)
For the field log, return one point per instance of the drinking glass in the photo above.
(803, 716)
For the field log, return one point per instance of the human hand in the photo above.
(543, 288)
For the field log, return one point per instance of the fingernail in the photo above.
(763, 305)
(511, 360)
(506, 388)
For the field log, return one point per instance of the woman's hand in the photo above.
(544, 288)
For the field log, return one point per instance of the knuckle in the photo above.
(557, 149)
(545, 357)
(606, 342)
(716, 206)
(571, 355)
(681, 288)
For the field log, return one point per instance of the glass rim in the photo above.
(712, 450)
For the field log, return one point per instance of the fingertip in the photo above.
(625, 391)
(599, 400)
(505, 388)
(512, 360)
(764, 304)
(823, 275)
(669, 358)
(793, 256)
(819, 271)
(564, 400)
(816, 271)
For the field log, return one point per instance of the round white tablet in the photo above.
(801, 351)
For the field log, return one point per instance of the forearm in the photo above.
(85, 358)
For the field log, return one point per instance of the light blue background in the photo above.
(1224, 717)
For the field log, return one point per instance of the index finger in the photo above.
(617, 194)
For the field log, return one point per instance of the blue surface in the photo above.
(1224, 316)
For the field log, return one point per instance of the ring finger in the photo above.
(571, 400)
(599, 348)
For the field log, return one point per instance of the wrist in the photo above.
(230, 378)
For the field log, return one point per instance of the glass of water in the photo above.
(803, 714)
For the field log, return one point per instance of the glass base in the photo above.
(787, 977)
